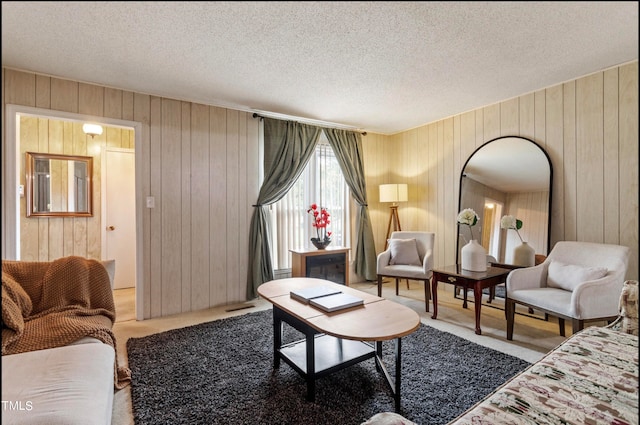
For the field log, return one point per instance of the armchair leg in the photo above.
(561, 324)
(577, 325)
(397, 280)
(427, 290)
(379, 285)
(510, 310)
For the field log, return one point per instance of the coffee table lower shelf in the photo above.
(320, 354)
(331, 354)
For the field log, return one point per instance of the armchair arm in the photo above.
(383, 259)
(597, 298)
(427, 261)
(527, 278)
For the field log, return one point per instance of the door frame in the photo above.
(11, 221)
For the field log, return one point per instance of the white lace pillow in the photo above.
(568, 276)
(404, 251)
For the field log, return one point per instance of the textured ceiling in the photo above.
(382, 67)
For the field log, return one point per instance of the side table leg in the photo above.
(434, 294)
(464, 303)
(477, 300)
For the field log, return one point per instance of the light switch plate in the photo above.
(151, 202)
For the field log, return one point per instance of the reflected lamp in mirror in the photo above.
(92, 129)
(59, 185)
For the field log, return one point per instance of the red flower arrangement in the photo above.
(321, 219)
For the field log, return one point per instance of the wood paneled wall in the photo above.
(201, 164)
(589, 128)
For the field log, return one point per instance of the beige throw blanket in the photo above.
(53, 304)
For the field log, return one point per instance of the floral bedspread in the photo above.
(591, 378)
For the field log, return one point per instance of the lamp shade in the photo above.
(393, 193)
(92, 129)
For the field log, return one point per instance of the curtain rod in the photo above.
(256, 115)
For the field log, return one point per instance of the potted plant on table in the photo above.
(321, 219)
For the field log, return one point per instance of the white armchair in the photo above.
(409, 256)
(578, 281)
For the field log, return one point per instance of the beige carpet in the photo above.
(532, 337)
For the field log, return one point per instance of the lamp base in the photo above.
(395, 220)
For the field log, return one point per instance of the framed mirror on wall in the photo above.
(507, 176)
(59, 185)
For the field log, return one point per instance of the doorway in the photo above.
(13, 172)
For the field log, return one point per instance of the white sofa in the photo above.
(68, 384)
(64, 385)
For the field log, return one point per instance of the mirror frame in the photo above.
(30, 159)
(462, 175)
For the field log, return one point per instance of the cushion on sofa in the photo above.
(568, 276)
(404, 251)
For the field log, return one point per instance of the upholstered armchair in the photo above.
(409, 256)
(578, 281)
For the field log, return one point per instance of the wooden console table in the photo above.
(477, 281)
(331, 264)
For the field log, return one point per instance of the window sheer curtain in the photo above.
(288, 147)
(322, 182)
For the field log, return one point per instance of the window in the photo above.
(322, 183)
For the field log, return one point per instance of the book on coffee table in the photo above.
(306, 294)
(336, 302)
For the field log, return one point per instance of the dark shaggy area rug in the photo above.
(222, 372)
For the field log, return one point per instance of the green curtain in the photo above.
(288, 147)
(347, 146)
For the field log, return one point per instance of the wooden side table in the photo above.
(477, 281)
(331, 264)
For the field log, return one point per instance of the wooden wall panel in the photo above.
(30, 129)
(526, 116)
(509, 117)
(217, 206)
(589, 157)
(186, 253)
(142, 114)
(611, 219)
(628, 162)
(232, 273)
(200, 189)
(155, 220)
(113, 103)
(171, 206)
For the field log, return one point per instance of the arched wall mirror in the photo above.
(507, 176)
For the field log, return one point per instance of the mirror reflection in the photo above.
(59, 185)
(507, 176)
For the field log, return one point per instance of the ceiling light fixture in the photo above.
(92, 129)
